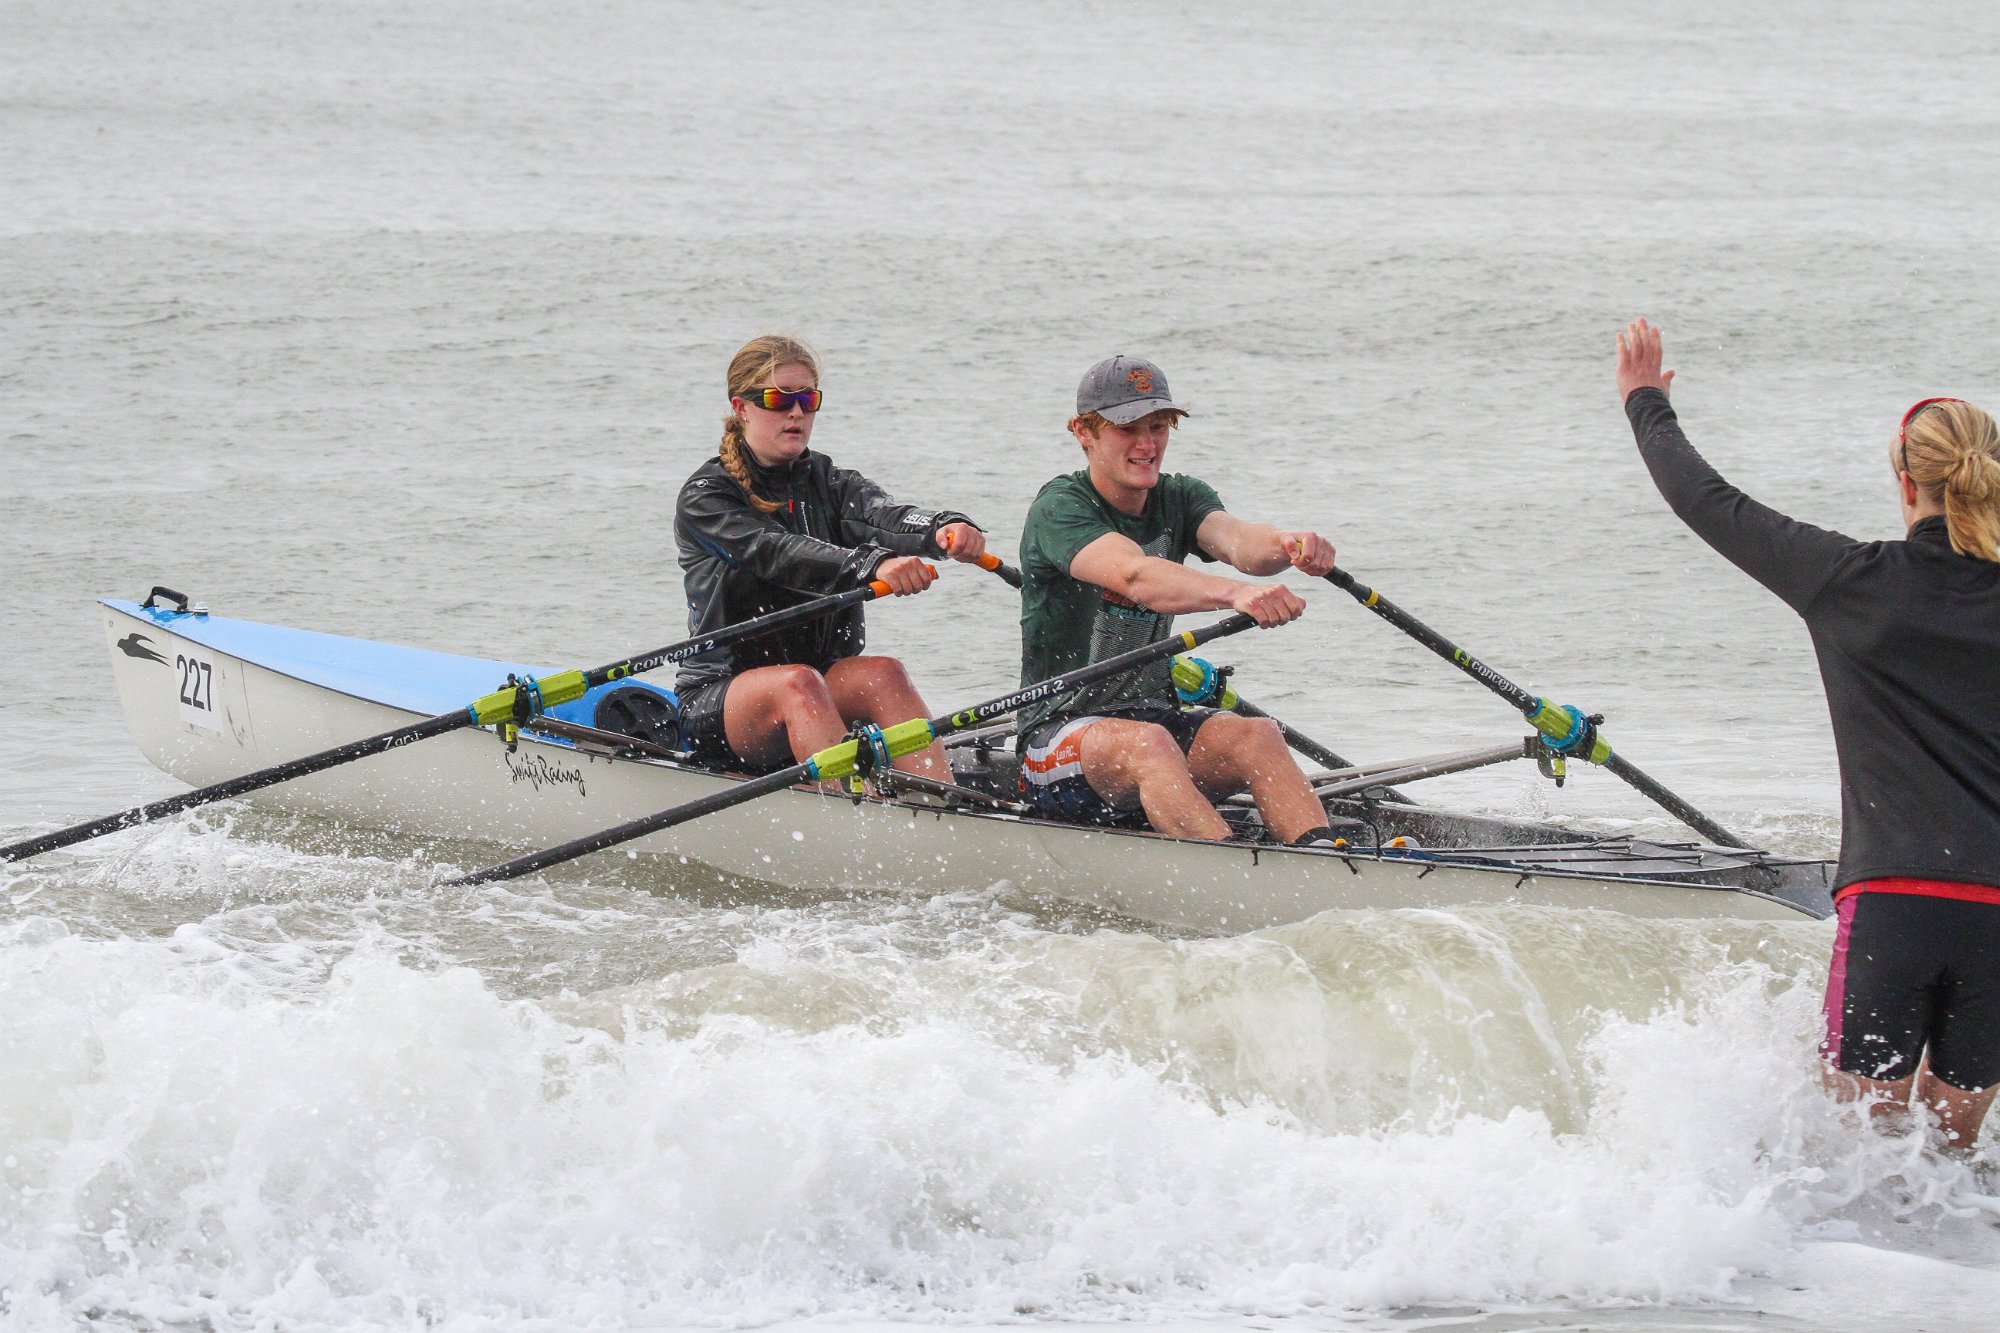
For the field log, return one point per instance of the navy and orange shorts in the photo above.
(1915, 975)
(1052, 764)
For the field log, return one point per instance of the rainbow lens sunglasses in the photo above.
(781, 400)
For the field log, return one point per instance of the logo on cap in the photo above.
(1140, 381)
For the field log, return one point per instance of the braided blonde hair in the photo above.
(1952, 452)
(752, 362)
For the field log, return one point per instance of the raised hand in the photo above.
(1639, 360)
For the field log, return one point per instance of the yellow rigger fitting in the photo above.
(835, 761)
(908, 737)
(1554, 722)
(1189, 678)
(499, 705)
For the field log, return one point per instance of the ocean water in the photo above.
(407, 321)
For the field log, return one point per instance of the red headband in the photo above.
(1904, 425)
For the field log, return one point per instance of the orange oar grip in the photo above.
(880, 589)
(989, 562)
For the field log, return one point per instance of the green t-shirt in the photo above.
(1066, 623)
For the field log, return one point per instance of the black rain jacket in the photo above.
(1908, 638)
(833, 528)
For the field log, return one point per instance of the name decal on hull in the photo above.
(539, 771)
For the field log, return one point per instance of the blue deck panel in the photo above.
(415, 679)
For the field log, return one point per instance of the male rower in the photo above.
(1101, 555)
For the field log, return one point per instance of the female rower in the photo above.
(768, 524)
(1908, 638)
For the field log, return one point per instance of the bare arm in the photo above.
(1115, 562)
(1259, 548)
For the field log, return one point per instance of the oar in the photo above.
(511, 705)
(875, 748)
(1564, 729)
(1189, 676)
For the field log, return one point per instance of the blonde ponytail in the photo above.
(1952, 452)
(752, 362)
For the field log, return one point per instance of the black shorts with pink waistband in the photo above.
(1915, 973)
(1052, 763)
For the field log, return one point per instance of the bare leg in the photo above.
(1959, 1112)
(1890, 1097)
(879, 690)
(1231, 753)
(772, 713)
(1123, 759)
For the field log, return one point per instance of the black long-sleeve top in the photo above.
(1908, 638)
(831, 531)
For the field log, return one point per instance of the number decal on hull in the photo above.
(195, 677)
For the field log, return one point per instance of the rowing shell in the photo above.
(209, 698)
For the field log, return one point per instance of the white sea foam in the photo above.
(1100, 1127)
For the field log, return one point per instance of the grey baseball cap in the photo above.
(1123, 389)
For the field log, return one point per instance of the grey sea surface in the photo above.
(407, 322)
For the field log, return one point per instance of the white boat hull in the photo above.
(466, 785)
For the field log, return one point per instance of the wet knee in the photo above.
(800, 687)
(1153, 747)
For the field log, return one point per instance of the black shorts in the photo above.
(1913, 974)
(702, 732)
(1052, 763)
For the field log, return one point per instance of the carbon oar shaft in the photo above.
(837, 761)
(1295, 738)
(248, 782)
(1534, 708)
(491, 708)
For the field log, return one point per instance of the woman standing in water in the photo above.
(767, 524)
(1908, 638)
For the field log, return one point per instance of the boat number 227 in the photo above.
(196, 689)
(197, 683)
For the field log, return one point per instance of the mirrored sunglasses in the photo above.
(781, 400)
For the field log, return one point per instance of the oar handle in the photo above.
(991, 563)
(1556, 723)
